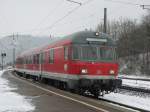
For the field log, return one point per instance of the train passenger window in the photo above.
(66, 53)
(37, 59)
(31, 59)
(51, 58)
(26, 60)
(42, 58)
(34, 59)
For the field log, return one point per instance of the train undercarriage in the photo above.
(96, 87)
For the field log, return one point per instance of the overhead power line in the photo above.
(130, 3)
(59, 20)
(66, 15)
(69, 13)
(123, 2)
(48, 15)
(74, 2)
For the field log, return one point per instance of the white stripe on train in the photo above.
(62, 76)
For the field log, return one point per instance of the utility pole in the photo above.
(13, 43)
(146, 7)
(105, 21)
(3, 55)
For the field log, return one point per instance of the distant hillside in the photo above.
(22, 43)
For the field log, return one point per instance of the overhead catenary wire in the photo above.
(50, 13)
(128, 3)
(66, 15)
(74, 2)
(57, 21)
(73, 10)
(80, 4)
(123, 2)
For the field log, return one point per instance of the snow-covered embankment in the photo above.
(11, 101)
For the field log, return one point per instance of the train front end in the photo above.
(94, 61)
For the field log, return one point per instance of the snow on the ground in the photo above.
(11, 101)
(135, 101)
(136, 83)
(132, 100)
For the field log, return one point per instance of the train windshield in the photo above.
(94, 53)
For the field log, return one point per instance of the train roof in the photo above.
(75, 38)
(81, 37)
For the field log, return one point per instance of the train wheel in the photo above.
(96, 93)
(81, 91)
(116, 90)
(44, 80)
(76, 90)
(65, 87)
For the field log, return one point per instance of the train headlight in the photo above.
(112, 72)
(97, 34)
(84, 71)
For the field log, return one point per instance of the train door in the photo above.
(66, 57)
(41, 63)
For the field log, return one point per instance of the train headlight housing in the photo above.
(97, 34)
(111, 72)
(84, 71)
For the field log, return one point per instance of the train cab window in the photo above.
(106, 53)
(89, 53)
(51, 56)
(76, 52)
(66, 53)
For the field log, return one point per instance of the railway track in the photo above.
(124, 105)
(86, 95)
(141, 79)
(135, 89)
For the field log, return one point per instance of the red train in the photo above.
(79, 62)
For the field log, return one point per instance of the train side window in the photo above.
(51, 56)
(31, 59)
(37, 59)
(42, 58)
(34, 59)
(25, 60)
(66, 53)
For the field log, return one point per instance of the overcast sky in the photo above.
(37, 16)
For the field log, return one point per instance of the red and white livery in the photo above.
(82, 61)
